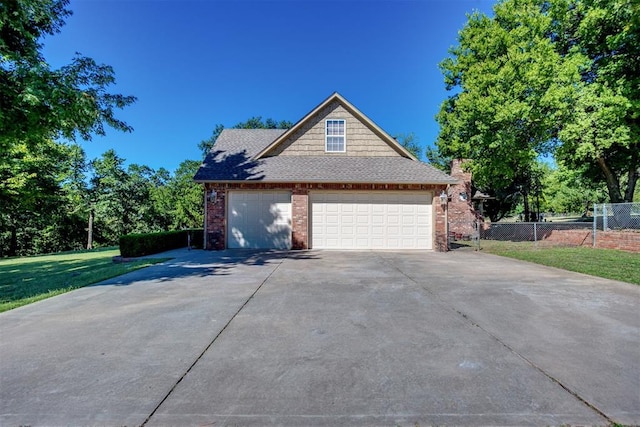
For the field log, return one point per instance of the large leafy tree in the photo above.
(528, 81)
(39, 199)
(38, 102)
(33, 213)
(604, 133)
(502, 114)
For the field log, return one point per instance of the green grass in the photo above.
(29, 279)
(607, 263)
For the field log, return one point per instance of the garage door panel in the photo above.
(260, 220)
(371, 220)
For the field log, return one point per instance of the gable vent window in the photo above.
(335, 136)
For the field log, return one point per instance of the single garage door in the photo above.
(259, 219)
(371, 220)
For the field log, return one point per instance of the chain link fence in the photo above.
(614, 226)
(617, 225)
(551, 233)
(616, 216)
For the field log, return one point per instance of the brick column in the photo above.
(440, 211)
(461, 214)
(300, 218)
(216, 218)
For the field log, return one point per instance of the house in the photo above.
(335, 180)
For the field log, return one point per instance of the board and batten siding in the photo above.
(310, 139)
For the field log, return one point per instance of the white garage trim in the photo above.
(371, 220)
(259, 219)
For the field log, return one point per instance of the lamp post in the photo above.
(481, 197)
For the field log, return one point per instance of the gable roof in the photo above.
(235, 156)
(336, 97)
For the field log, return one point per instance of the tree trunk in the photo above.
(527, 209)
(90, 230)
(13, 242)
(634, 173)
(613, 185)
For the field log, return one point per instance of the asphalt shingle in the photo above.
(232, 158)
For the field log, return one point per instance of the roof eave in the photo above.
(295, 181)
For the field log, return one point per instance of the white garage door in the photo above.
(259, 219)
(371, 220)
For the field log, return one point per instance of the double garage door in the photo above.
(338, 220)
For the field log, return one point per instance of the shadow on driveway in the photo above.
(197, 263)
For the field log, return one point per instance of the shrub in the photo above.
(135, 245)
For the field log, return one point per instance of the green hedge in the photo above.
(135, 245)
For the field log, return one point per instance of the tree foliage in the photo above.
(42, 187)
(38, 102)
(410, 142)
(55, 198)
(544, 77)
(604, 132)
(567, 190)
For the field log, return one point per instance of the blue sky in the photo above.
(194, 64)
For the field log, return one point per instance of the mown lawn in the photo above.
(607, 263)
(29, 279)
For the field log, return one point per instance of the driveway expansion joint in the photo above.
(195, 362)
(470, 321)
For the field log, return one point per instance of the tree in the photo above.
(187, 197)
(108, 200)
(206, 144)
(123, 199)
(410, 143)
(39, 103)
(532, 81)
(31, 196)
(605, 131)
(568, 190)
(504, 72)
(252, 123)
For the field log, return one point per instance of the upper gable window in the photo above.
(335, 137)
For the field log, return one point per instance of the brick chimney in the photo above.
(461, 212)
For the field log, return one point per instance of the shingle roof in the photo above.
(232, 158)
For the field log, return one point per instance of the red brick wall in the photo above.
(216, 221)
(621, 240)
(440, 212)
(570, 237)
(300, 218)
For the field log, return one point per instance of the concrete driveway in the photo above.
(327, 338)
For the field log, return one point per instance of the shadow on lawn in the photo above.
(36, 277)
(200, 263)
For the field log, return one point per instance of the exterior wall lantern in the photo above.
(443, 198)
(213, 196)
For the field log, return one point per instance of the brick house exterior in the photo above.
(364, 191)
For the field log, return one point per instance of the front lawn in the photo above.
(29, 279)
(607, 263)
